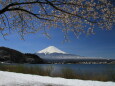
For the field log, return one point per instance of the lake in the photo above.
(101, 72)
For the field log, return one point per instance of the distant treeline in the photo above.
(8, 55)
(13, 56)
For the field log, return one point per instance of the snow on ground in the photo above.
(18, 79)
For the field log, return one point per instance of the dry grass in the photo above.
(65, 73)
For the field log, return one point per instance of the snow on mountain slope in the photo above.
(51, 49)
(53, 53)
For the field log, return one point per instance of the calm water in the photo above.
(94, 68)
(80, 69)
(103, 72)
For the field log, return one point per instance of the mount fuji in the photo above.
(50, 50)
(52, 53)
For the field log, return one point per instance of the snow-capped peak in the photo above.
(51, 49)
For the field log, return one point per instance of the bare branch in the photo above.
(77, 16)
(57, 8)
(35, 15)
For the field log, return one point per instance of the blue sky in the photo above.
(102, 44)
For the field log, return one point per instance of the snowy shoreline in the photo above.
(19, 79)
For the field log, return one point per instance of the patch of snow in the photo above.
(18, 79)
(51, 49)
